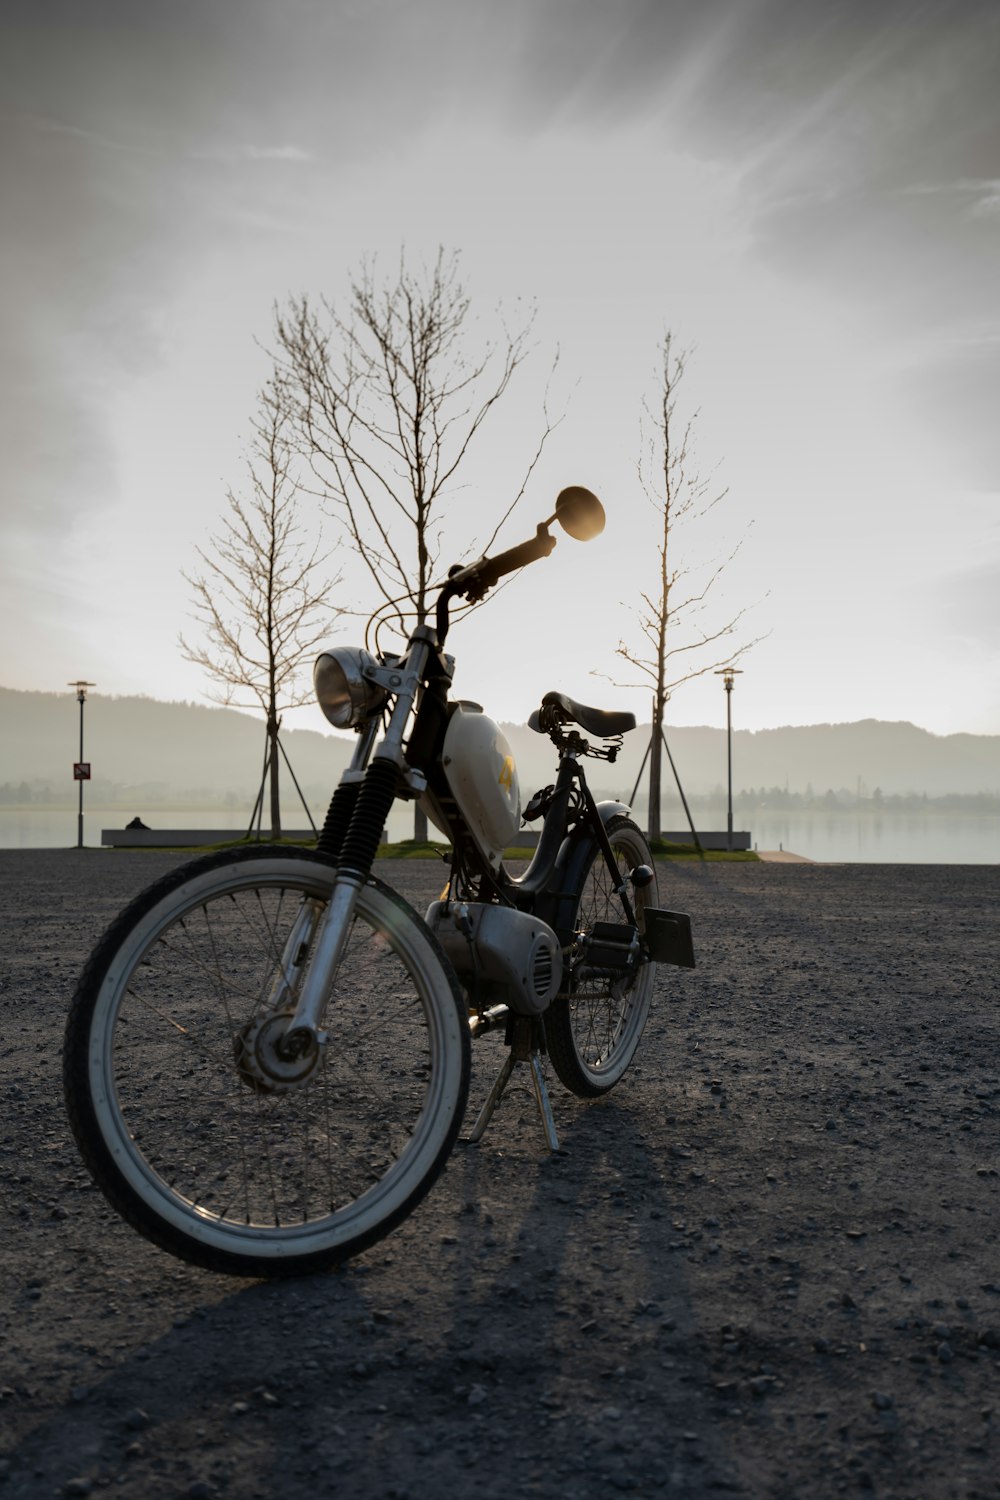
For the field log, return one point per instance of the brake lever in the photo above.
(486, 571)
(464, 580)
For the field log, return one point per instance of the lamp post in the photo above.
(81, 769)
(727, 674)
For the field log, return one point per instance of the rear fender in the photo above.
(575, 856)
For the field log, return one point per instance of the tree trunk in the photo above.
(419, 823)
(272, 736)
(655, 765)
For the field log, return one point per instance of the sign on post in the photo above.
(81, 770)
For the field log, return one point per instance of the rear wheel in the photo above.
(192, 1123)
(593, 1029)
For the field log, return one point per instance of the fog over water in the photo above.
(863, 791)
(906, 838)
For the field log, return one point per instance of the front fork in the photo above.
(379, 784)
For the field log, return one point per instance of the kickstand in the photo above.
(523, 1048)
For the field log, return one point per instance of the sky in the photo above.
(806, 195)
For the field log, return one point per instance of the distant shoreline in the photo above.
(839, 836)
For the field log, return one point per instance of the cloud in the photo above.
(981, 194)
(952, 392)
(824, 115)
(230, 155)
(91, 138)
(970, 604)
(988, 205)
(277, 153)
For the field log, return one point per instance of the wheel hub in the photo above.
(272, 1062)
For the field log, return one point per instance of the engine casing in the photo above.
(518, 957)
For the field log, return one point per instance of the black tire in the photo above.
(592, 1030)
(211, 1162)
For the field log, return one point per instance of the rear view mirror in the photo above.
(580, 513)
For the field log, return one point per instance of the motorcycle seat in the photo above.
(593, 720)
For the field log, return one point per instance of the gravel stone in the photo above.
(503, 1340)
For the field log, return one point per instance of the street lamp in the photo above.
(81, 768)
(727, 674)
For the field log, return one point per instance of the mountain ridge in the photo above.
(156, 752)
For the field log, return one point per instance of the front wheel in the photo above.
(187, 1126)
(592, 1030)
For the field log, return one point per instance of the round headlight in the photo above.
(342, 690)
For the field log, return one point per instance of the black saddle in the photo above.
(557, 708)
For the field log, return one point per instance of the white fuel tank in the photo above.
(482, 778)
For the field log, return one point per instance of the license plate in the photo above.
(668, 937)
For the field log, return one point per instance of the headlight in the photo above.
(342, 691)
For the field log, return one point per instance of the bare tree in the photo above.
(262, 602)
(387, 400)
(678, 646)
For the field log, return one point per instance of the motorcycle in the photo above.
(267, 1057)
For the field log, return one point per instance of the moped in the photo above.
(267, 1057)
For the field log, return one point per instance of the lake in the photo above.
(902, 838)
(845, 837)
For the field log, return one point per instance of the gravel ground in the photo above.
(765, 1265)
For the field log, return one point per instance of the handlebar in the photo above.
(578, 511)
(474, 580)
(479, 576)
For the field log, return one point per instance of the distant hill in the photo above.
(148, 752)
(151, 753)
(897, 758)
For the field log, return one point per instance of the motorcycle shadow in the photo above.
(531, 1294)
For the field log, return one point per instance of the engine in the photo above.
(518, 960)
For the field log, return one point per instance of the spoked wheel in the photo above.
(592, 1031)
(196, 1128)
